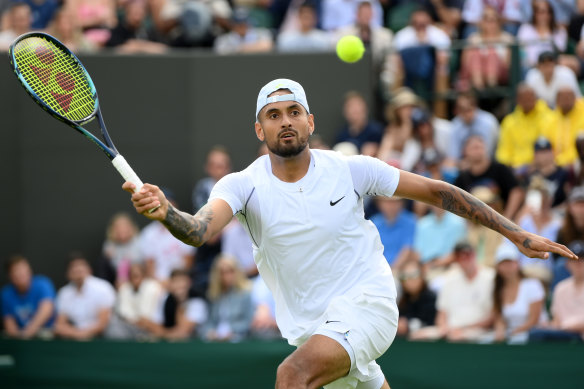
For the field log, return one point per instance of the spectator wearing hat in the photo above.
(359, 128)
(481, 170)
(28, 307)
(471, 120)
(567, 303)
(465, 300)
(544, 166)
(307, 38)
(569, 122)
(521, 128)
(548, 76)
(517, 301)
(243, 37)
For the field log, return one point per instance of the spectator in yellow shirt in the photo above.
(563, 131)
(521, 128)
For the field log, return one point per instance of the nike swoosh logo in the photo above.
(333, 203)
(331, 321)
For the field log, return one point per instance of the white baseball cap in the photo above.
(507, 251)
(297, 94)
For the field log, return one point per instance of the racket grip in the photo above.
(127, 172)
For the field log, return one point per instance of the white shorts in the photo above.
(365, 326)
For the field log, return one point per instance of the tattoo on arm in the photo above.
(463, 204)
(188, 228)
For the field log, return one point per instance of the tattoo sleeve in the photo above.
(465, 205)
(188, 228)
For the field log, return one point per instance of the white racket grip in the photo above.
(127, 172)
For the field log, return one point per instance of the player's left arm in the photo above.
(461, 203)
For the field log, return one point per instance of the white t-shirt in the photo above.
(563, 76)
(466, 302)
(517, 313)
(167, 252)
(310, 238)
(83, 306)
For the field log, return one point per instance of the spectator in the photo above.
(423, 55)
(308, 38)
(132, 35)
(43, 11)
(19, 20)
(217, 165)
(436, 235)
(487, 58)
(263, 324)
(85, 304)
(484, 240)
(471, 120)
(137, 302)
(541, 34)
(512, 12)
(236, 243)
(376, 38)
(162, 252)
(359, 129)
(397, 143)
(64, 27)
(465, 301)
(576, 61)
(576, 170)
(180, 314)
(483, 171)
(562, 134)
(417, 305)
(544, 166)
(567, 308)
(521, 128)
(120, 249)
(518, 301)
(243, 38)
(337, 14)
(396, 227)
(95, 17)
(548, 77)
(429, 136)
(231, 304)
(572, 229)
(27, 301)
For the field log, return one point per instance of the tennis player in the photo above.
(322, 260)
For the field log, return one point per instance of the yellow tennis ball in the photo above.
(350, 48)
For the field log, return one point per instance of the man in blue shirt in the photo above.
(27, 301)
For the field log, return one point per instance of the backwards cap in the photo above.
(297, 94)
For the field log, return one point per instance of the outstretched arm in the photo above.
(190, 229)
(461, 203)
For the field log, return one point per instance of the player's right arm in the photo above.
(190, 229)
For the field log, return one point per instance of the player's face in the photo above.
(285, 126)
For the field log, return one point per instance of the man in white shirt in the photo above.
(84, 305)
(322, 260)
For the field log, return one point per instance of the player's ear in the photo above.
(259, 131)
(311, 123)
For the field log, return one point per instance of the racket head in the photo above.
(54, 77)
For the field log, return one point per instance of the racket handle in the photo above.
(127, 172)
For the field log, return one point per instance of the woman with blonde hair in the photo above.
(231, 305)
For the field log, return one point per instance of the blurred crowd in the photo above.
(521, 151)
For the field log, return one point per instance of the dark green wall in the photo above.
(163, 113)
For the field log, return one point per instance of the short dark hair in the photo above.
(13, 260)
(179, 273)
(76, 256)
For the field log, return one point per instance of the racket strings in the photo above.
(56, 78)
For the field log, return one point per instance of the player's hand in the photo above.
(536, 246)
(149, 201)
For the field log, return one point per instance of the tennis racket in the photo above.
(57, 81)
